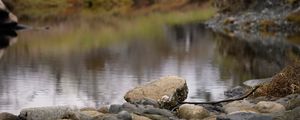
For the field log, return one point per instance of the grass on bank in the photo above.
(94, 32)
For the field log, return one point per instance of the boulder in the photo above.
(167, 91)
(269, 107)
(50, 113)
(8, 21)
(239, 106)
(8, 116)
(2, 6)
(189, 111)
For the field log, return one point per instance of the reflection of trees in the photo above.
(255, 57)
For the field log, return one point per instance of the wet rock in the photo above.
(8, 116)
(235, 92)
(269, 107)
(138, 117)
(50, 113)
(115, 108)
(239, 106)
(167, 91)
(245, 116)
(124, 115)
(188, 111)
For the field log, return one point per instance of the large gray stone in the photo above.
(189, 111)
(8, 116)
(50, 113)
(167, 91)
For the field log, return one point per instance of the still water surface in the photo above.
(43, 69)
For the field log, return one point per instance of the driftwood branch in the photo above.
(227, 100)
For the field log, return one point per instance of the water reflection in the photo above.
(211, 63)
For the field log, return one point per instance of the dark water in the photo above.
(41, 69)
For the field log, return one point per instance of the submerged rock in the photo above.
(167, 91)
(189, 111)
(235, 92)
(50, 113)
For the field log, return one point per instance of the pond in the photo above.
(76, 63)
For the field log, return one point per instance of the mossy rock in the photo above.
(284, 83)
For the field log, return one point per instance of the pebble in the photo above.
(124, 115)
(189, 111)
(237, 106)
(115, 108)
(269, 107)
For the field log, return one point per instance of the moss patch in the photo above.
(284, 83)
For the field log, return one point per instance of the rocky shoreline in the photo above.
(255, 16)
(163, 99)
